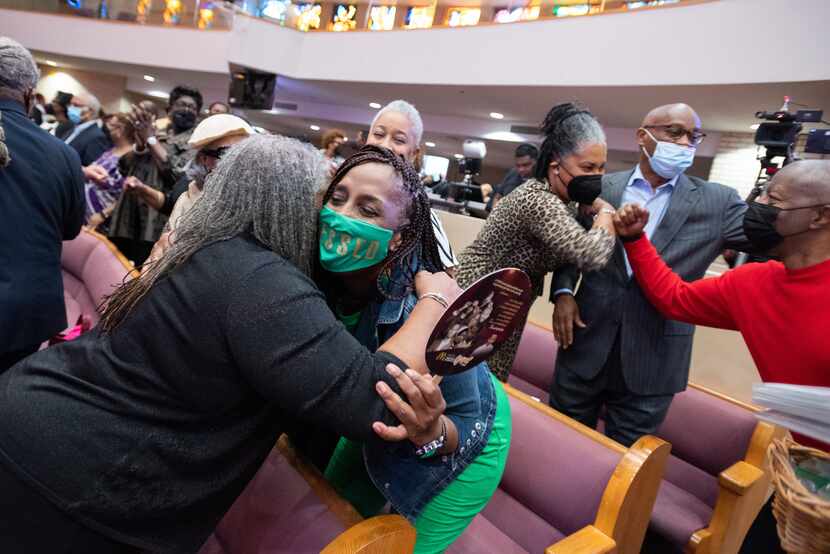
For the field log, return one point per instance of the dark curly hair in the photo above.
(183, 90)
(417, 237)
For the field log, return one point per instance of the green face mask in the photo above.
(348, 244)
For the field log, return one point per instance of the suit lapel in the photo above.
(683, 199)
(613, 189)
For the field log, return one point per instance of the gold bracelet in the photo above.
(438, 297)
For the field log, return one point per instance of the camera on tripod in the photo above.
(778, 135)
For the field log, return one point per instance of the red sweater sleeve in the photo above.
(702, 302)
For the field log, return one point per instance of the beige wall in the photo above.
(720, 359)
(109, 89)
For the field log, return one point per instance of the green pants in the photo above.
(446, 516)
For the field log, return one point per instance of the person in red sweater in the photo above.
(782, 308)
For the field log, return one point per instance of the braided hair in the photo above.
(417, 237)
(566, 128)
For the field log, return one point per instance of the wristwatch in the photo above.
(152, 140)
(434, 445)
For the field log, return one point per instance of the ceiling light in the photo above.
(158, 94)
(150, 78)
(314, 127)
(496, 115)
(374, 105)
(51, 63)
(345, 139)
(430, 144)
(754, 126)
(458, 156)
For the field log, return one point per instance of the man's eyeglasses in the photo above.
(677, 132)
(215, 153)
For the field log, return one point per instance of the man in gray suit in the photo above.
(625, 355)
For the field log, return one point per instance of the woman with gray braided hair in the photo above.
(376, 233)
(534, 228)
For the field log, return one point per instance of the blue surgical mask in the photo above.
(74, 114)
(669, 159)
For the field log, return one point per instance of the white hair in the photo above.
(18, 70)
(90, 101)
(405, 108)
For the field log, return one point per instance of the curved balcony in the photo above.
(341, 16)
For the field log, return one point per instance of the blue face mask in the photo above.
(669, 159)
(74, 114)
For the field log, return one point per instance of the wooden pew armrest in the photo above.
(588, 540)
(389, 533)
(740, 477)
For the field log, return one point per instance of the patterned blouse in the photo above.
(100, 196)
(533, 230)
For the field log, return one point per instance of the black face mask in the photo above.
(183, 120)
(585, 188)
(759, 225)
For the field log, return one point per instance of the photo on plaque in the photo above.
(480, 319)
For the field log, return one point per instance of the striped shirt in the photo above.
(444, 248)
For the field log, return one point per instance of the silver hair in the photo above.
(267, 186)
(567, 128)
(90, 101)
(18, 70)
(411, 113)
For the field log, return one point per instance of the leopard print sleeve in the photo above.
(554, 226)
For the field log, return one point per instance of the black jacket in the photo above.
(90, 144)
(41, 205)
(150, 432)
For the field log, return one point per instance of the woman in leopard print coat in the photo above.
(534, 228)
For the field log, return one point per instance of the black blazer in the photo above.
(41, 205)
(701, 220)
(90, 144)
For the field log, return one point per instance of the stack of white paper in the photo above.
(803, 409)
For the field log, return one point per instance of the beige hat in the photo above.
(216, 127)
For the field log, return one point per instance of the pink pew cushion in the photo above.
(678, 514)
(276, 513)
(482, 537)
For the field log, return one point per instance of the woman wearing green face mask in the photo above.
(375, 234)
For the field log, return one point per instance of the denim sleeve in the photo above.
(463, 400)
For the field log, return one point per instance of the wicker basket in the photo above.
(803, 518)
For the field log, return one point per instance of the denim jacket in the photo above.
(407, 481)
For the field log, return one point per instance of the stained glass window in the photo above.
(344, 18)
(274, 9)
(635, 5)
(142, 10)
(576, 9)
(206, 16)
(508, 15)
(172, 12)
(419, 18)
(382, 18)
(463, 17)
(308, 16)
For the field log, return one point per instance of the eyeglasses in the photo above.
(215, 153)
(677, 132)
